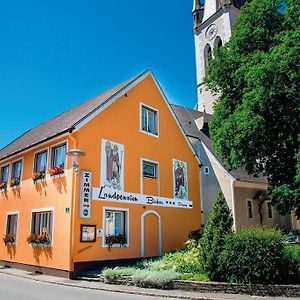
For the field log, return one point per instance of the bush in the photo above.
(194, 277)
(219, 224)
(179, 261)
(154, 279)
(253, 255)
(117, 271)
(291, 264)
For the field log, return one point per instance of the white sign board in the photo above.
(85, 194)
(112, 195)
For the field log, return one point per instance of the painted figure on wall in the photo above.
(112, 169)
(180, 180)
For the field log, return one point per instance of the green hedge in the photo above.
(253, 255)
(291, 264)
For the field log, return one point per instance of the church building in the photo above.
(245, 194)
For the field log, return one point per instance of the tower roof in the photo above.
(197, 5)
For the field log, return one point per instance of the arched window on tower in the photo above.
(207, 57)
(218, 42)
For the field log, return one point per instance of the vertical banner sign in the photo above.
(85, 194)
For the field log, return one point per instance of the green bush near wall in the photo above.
(290, 270)
(253, 255)
(218, 226)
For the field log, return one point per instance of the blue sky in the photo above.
(55, 54)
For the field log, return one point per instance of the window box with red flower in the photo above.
(14, 183)
(118, 240)
(56, 172)
(38, 176)
(9, 239)
(3, 186)
(39, 240)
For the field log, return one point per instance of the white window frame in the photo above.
(9, 172)
(142, 174)
(11, 213)
(252, 208)
(21, 175)
(272, 211)
(117, 209)
(206, 170)
(40, 210)
(156, 120)
(34, 158)
(155, 166)
(50, 158)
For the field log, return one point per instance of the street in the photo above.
(15, 288)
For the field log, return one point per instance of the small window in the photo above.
(270, 209)
(116, 231)
(219, 45)
(16, 170)
(59, 156)
(149, 169)
(11, 228)
(250, 209)
(149, 122)
(206, 170)
(42, 223)
(4, 173)
(40, 161)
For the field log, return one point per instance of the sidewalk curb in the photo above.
(111, 289)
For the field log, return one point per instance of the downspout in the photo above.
(73, 203)
(233, 205)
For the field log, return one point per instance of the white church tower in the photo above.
(213, 23)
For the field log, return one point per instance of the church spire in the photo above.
(198, 12)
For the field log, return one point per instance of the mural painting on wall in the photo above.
(180, 179)
(112, 165)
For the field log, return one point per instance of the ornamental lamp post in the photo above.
(75, 154)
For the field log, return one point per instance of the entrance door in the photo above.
(151, 234)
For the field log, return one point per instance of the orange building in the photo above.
(131, 191)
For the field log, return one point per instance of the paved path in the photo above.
(17, 284)
(16, 288)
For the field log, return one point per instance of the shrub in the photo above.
(194, 277)
(218, 225)
(291, 264)
(117, 271)
(179, 261)
(253, 255)
(154, 279)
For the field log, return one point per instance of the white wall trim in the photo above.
(212, 156)
(148, 212)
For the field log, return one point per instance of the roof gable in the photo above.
(64, 122)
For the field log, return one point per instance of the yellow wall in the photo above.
(51, 193)
(120, 123)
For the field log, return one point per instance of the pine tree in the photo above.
(218, 225)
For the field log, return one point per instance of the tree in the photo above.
(218, 225)
(256, 119)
